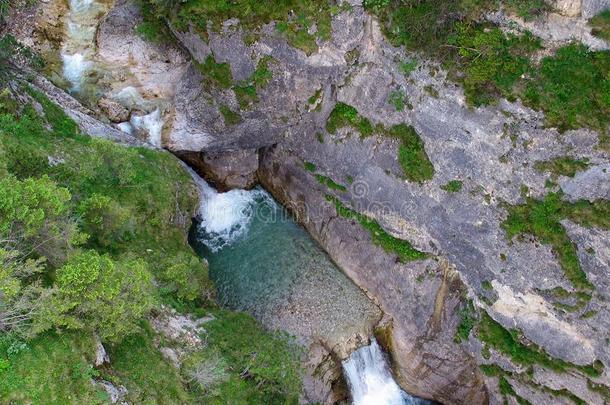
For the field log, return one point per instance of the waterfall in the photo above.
(370, 380)
(152, 124)
(80, 40)
(225, 217)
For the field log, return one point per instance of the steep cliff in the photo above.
(479, 228)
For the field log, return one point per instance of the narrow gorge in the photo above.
(412, 196)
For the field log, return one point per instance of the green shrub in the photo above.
(344, 115)
(562, 166)
(330, 183)
(573, 88)
(601, 25)
(246, 95)
(219, 73)
(99, 295)
(453, 186)
(310, 166)
(412, 155)
(468, 320)
(397, 98)
(408, 66)
(491, 61)
(230, 117)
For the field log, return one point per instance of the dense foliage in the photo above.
(601, 25)
(92, 239)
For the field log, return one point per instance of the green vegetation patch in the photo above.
(230, 117)
(246, 92)
(541, 218)
(263, 367)
(218, 73)
(601, 25)
(453, 186)
(489, 61)
(528, 9)
(246, 95)
(412, 155)
(330, 183)
(310, 167)
(468, 319)
(344, 115)
(398, 99)
(509, 343)
(294, 18)
(402, 248)
(148, 376)
(562, 166)
(407, 66)
(262, 75)
(153, 27)
(51, 369)
(572, 87)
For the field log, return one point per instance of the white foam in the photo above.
(80, 6)
(151, 123)
(370, 380)
(225, 217)
(75, 66)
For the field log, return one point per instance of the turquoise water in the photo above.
(256, 266)
(262, 262)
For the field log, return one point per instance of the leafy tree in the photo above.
(98, 294)
(35, 218)
(19, 301)
(106, 221)
(185, 276)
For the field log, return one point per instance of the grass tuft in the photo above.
(402, 248)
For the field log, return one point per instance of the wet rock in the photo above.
(113, 110)
(226, 170)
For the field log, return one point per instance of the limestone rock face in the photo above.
(226, 170)
(569, 8)
(491, 150)
(154, 69)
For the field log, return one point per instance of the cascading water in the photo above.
(86, 72)
(80, 41)
(370, 380)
